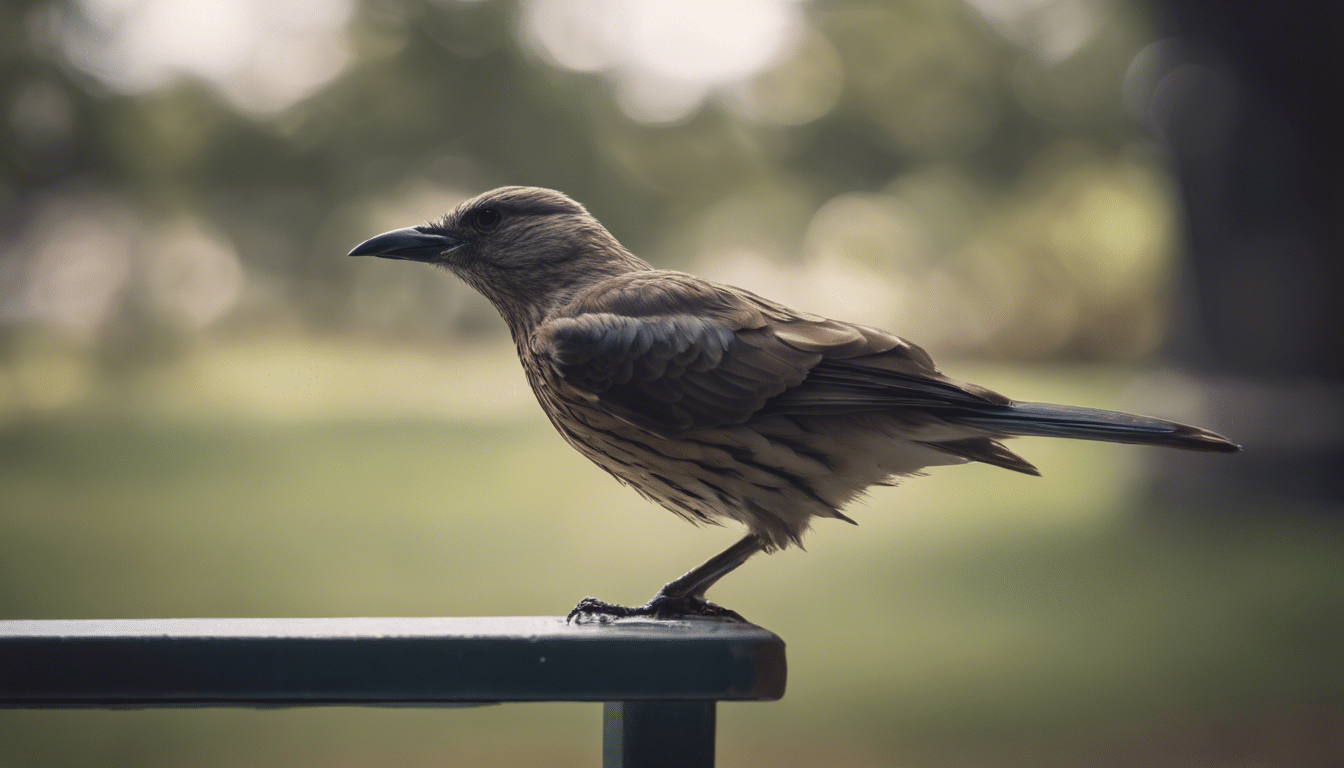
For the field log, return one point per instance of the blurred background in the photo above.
(207, 410)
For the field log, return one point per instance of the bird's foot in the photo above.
(661, 606)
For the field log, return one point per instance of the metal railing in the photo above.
(659, 680)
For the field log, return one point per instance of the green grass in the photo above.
(971, 613)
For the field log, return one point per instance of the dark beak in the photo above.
(410, 244)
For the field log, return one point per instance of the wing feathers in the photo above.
(830, 337)
(671, 352)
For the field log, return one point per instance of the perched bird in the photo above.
(719, 404)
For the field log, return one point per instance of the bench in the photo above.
(659, 681)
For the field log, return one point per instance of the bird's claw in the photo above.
(660, 607)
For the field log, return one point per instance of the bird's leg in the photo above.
(684, 595)
(698, 580)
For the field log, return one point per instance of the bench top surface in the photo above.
(382, 661)
(446, 629)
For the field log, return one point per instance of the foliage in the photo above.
(1004, 205)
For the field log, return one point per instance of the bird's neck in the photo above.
(543, 299)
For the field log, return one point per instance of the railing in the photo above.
(659, 680)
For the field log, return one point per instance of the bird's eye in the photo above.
(486, 219)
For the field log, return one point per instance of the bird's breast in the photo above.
(764, 475)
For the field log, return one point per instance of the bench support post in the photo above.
(654, 734)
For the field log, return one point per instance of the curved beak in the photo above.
(409, 244)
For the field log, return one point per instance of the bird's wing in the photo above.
(671, 352)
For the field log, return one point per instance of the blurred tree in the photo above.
(1245, 96)
(1016, 213)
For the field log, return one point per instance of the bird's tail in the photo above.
(1051, 420)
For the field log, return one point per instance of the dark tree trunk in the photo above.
(1246, 98)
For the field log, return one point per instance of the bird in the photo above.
(718, 404)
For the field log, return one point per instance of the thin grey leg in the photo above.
(699, 579)
(658, 734)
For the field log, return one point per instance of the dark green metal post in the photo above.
(658, 734)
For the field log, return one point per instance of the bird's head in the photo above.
(524, 248)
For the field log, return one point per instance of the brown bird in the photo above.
(719, 404)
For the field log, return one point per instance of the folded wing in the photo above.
(671, 352)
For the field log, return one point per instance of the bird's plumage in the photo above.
(718, 403)
(672, 352)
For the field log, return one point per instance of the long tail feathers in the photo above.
(1050, 420)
